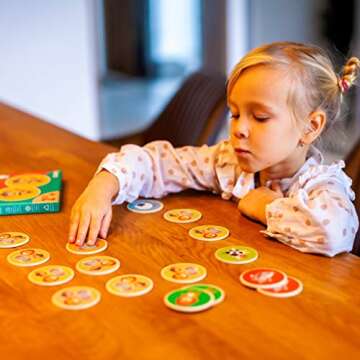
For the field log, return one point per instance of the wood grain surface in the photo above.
(321, 323)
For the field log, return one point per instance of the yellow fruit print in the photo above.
(34, 180)
(17, 193)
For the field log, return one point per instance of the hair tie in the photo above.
(344, 85)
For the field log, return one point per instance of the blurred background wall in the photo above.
(48, 61)
(104, 69)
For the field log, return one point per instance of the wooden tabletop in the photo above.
(321, 323)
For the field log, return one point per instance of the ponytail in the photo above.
(349, 74)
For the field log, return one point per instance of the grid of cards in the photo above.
(74, 297)
(198, 297)
(194, 297)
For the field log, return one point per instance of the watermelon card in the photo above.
(35, 192)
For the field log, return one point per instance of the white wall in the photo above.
(237, 31)
(48, 61)
(285, 20)
(171, 40)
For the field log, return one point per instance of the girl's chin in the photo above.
(249, 169)
(247, 166)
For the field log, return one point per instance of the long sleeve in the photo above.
(158, 169)
(318, 216)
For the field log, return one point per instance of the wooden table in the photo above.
(321, 323)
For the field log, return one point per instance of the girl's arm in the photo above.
(254, 203)
(321, 220)
(150, 171)
(158, 169)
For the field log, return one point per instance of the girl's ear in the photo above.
(315, 125)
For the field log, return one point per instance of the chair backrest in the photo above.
(353, 170)
(195, 113)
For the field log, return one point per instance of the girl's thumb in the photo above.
(275, 186)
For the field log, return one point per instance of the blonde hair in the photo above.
(311, 67)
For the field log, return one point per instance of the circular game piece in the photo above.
(183, 273)
(98, 265)
(145, 206)
(236, 254)
(129, 285)
(99, 246)
(18, 193)
(28, 257)
(76, 297)
(35, 180)
(209, 232)
(263, 278)
(51, 275)
(182, 216)
(189, 300)
(219, 294)
(13, 239)
(293, 287)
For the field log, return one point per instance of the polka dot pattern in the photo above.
(230, 182)
(314, 215)
(320, 240)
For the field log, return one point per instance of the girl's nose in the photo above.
(241, 129)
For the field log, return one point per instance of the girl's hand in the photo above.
(92, 212)
(254, 203)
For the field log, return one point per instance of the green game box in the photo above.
(29, 193)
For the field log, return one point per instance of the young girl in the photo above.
(281, 96)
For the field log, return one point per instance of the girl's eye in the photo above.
(234, 116)
(261, 117)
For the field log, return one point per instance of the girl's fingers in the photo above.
(74, 224)
(94, 229)
(275, 186)
(106, 224)
(83, 229)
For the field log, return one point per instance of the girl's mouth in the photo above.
(241, 151)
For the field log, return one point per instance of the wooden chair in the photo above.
(353, 170)
(193, 116)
